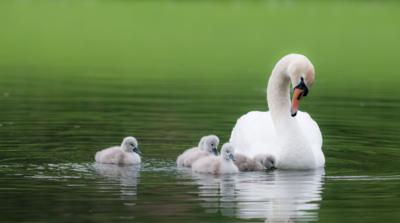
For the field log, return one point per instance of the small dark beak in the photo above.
(232, 157)
(215, 151)
(136, 150)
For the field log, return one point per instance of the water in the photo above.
(60, 104)
(49, 140)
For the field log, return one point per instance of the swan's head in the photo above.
(210, 144)
(130, 144)
(228, 152)
(301, 73)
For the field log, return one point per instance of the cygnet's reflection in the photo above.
(278, 196)
(126, 177)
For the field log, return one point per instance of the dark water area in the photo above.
(48, 143)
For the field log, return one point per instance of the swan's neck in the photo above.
(278, 93)
(125, 148)
(291, 136)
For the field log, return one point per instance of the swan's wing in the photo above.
(205, 164)
(310, 128)
(180, 161)
(313, 134)
(254, 134)
(194, 156)
(109, 155)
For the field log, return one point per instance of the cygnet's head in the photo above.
(267, 161)
(228, 151)
(210, 144)
(302, 74)
(130, 144)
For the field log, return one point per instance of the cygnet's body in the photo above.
(222, 164)
(207, 146)
(260, 162)
(126, 154)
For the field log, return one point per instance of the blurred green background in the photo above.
(355, 40)
(150, 67)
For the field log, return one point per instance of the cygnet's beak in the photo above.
(136, 150)
(232, 157)
(297, 93)
(215, 151)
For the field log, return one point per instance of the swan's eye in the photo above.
(132, 144)
(303, 87)
(212, 144)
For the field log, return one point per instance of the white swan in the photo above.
(222, 164)
(128, 153)
(207, 146)
(294, 140)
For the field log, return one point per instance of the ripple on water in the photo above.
(276, 196)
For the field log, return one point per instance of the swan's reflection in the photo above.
(278, 196)
(126, 177)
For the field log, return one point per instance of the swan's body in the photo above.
(207, 146)
(222, 164)
(294, 142)
(126, 154)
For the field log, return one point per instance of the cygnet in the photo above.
(222, 164)
(207, 146)
(258, 163)
(127, 153)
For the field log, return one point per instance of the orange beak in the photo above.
(297, 93)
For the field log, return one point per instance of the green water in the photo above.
(78, 76)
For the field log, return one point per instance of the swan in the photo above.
(259, 162)
(292, 137)
(207, 146)
(222, 164)
(127, 153)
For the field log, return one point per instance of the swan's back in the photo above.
(209, 164)
(190, 156)
(112, 155)
(115, 155)
(313, 135)
(254, 134)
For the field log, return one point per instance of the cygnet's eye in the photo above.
(132, 145)
(212, 144)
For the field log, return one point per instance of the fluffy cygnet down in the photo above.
(222, 164)
(258, 163)
(126, 154)
(207, 146)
